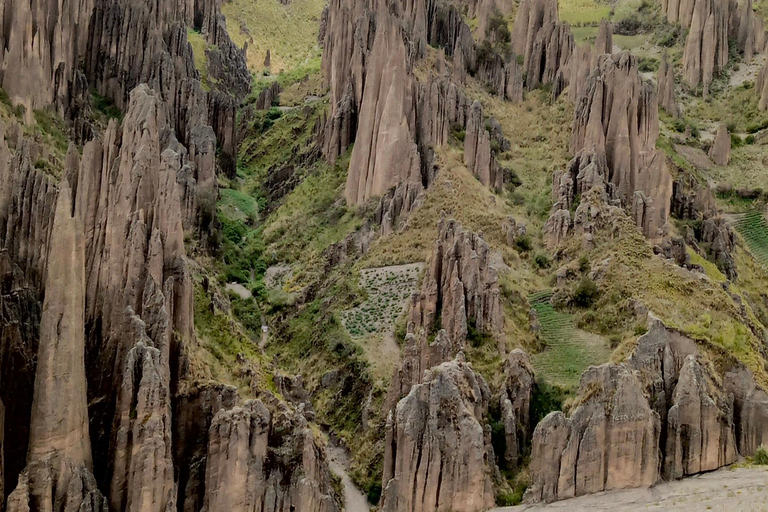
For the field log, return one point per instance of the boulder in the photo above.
(720, 152)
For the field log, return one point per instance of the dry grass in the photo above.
(289, 32)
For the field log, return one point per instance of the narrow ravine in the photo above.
(338, 460)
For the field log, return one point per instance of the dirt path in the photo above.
(354, 499)
(742, 490)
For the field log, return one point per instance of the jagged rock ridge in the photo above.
(661, 414)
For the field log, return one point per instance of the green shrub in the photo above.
(586, 293)
(761, 456)
(541, 260)
(523, 243)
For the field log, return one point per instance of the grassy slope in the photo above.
(289, 32)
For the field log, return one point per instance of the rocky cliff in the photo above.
(394, 119)
(118, 320)
(437, 457)
(710, 24)
(617, 118)
(664, 413)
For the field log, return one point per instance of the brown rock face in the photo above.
(617, 116)
(246, 471)
(660, 413)
(515, 404)
(666, 89)
(394, 120)
(710, 24)
(750, 410)
(59, 462)
(545, 44)
(700, 433)
(720, 152)
(385, 152)
(584, 59)
(461, 286)
(436, 455)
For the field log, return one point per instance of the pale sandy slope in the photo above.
(731, 490)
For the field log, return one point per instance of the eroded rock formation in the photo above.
(710, 24)
(666, 89)
(544, 43)
(617, 117)
(247, 471)
(461, 286)
(662, 413)
(59, 468)
(437, 456)
(720, 152)
(515, 406)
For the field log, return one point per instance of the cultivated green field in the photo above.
(569, 350)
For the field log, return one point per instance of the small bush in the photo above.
(584, 265)
(541, 260)
(761, 456)
(586, 293)
(523, 243)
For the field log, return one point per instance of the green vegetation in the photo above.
(388, 290)
(761, 456)
(753, 227)
(569, 351)
(199, 48)
(288, 31)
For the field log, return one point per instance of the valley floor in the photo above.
(743, 490)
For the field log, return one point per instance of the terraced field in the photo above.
(754, 229)
(569, 350)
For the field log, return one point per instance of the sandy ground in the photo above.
(731, 490)
(354, 500)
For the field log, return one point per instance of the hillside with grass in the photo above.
(328, 297)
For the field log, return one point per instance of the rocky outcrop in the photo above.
(710, 24)
(378, 103)
(265, 462)
(609, 442)
(193, 414)
(59, 462)
(269, 97)
(750, 409)
(762, 87)
(700, 433)
(437, 456)
(618, 117)
(385, 152)
(479, 156)
(584, 59)
(461, 286)
(515, 406)
(661, 413)
(503, 76)
(720, 152)
(666, 90)
(545, 44)
(60, 52)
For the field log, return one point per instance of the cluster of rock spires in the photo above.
(57, 53)
(615, 130)
(438, 451)
(104, 420)
(394, 120)
(96, 410)
(710, 25)
(663, 413)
